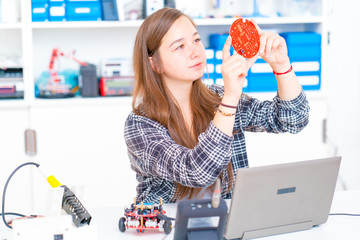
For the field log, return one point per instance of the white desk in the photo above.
(337, 227)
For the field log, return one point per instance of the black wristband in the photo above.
(222, 104)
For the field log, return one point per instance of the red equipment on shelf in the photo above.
(55, 87)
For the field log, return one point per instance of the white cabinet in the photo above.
(83, 145)
(13, 123)
(80, 140)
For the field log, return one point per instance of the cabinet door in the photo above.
(83, 147)
(267, 148)
(13, 123)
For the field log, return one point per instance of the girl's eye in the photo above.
(198, 40)
(180, 47)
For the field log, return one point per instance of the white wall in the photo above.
(344, 87)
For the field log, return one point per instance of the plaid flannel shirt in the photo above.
(159, 161)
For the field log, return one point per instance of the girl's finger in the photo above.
(235, 58)
(276, 43)
(269, 44)
(226, 49)
(257, 26)
(251, 61)
(263, 38)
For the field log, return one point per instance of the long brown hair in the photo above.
(152, 99)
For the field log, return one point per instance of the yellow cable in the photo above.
(53, 181)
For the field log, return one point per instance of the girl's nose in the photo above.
(194, 51)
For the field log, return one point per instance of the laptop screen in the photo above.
(281, 198)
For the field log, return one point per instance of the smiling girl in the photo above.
(183, 135)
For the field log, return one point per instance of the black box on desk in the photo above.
(88, 81)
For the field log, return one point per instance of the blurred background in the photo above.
(66, 80)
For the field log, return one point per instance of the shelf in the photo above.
(12, 103)
(297, 23)
(76, 101)
(87, 24)
(10, 25)
(80, 101)
(199, 22)
(263, 21)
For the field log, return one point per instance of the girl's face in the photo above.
(182, 52)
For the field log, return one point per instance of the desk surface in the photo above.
(337, 227)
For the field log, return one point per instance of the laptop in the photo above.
(281, 198)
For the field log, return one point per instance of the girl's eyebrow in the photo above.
(181, 39)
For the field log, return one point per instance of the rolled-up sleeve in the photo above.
(154, 153)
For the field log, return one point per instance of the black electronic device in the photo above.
(88, 81)
(116, 86)
(11, 82)
(197, 219)
(73, 207)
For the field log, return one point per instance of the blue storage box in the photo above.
(309, 81)
(220, 81)
(262, 82)
(303, 52)
(261, 77)
(303, 45)
(218, 69)
(77, 10)
(260, 66)
(306, 66)
(218, 56)
(246, 85)
(57, 10)
(210, 55)
(217, 42)
(308, 73)
(209, 71)
(207, 81)
(39, 11)
(302, 38)
(39, 1)
(210, 68)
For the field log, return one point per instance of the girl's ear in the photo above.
(154, 66)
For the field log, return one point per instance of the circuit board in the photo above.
(245, 38)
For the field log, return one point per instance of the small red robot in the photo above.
(143, 216)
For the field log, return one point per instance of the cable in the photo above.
(345, 214)
(14, 214)
(4, 192)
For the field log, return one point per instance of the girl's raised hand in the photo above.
(272, 47)
(234, 69)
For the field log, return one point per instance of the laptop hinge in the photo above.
(277, 230)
